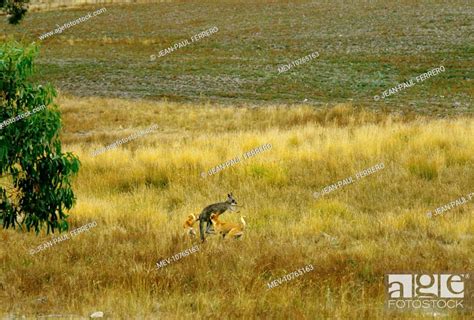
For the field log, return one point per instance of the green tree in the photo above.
(35, 176)
(15, 9)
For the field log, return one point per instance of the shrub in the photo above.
(35, 176)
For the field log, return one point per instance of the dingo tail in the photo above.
(243, 223)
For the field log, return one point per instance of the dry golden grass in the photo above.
(140, 194)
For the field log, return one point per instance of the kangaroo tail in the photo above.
(201, 229)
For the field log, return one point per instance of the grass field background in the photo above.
(222, 96)
(365, 47)
(140, 194)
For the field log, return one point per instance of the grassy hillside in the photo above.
(140, 193)
(222, 96)
(365, 47)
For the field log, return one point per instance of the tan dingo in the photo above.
(188, 226)
(233, 230)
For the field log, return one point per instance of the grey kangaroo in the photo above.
(217, 208)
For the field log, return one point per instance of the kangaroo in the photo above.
(216, 208)
(226, 228)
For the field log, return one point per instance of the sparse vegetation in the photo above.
(365, 47)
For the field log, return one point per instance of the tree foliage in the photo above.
(35, 176)
(15, 9)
